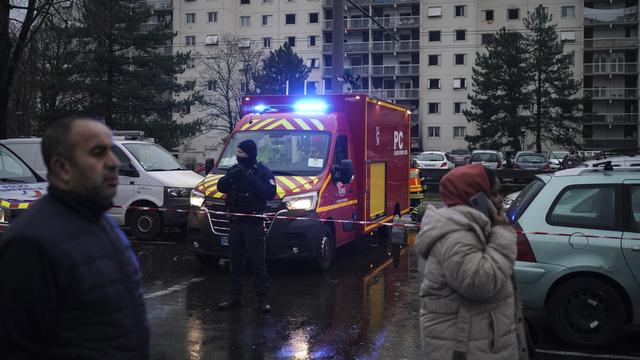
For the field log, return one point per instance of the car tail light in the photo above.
(516, 166)
(525, 253)
(444, 164)
(546, 167)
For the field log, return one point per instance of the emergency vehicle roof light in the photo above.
(260, 108)
(310, 106)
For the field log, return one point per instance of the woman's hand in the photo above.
(499, 217)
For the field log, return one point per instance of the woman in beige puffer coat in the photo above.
(469, 309)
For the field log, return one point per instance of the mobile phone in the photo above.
(481, 202)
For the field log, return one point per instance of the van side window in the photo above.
(342, 150)
(122, 157)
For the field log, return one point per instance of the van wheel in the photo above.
(325, 250)
(146, 225)
(586, 312)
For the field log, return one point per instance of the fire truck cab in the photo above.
(341, 164)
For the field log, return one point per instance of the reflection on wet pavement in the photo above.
(364, 308)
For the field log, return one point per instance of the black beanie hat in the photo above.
(249, 147)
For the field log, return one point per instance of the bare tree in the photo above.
(227, 75)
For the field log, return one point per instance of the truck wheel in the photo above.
(586, 312)
(326, 250)
(146, 225)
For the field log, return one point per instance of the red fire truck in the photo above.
(341, 164)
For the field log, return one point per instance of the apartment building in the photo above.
(453, 32)
(388, 69)
(201, 25)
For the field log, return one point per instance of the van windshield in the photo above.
(283, 152)
(153, 157)
(13, 170)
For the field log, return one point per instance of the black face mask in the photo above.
(246, 162)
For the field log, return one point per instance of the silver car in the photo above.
(527, 160)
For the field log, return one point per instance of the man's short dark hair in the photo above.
(56, 139)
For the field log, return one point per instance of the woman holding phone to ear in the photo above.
(469, 309)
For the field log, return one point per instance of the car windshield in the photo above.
(560, 155)
(460, 152)
(13, 169)
(486, 157)
(431, 157)
(532, 159)
(153, 157)
(284, 152)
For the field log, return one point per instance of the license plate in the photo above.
(224, 240)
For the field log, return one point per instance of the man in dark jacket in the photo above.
(70, 286)
(248, 186)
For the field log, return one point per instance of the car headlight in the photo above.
(197, 198)
(4, 218)
(178, 192)
(307, 201)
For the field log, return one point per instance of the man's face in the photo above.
(93, 167)
(241, 154)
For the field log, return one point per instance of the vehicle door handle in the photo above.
(635, 248)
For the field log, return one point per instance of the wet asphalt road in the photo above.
(363, 308)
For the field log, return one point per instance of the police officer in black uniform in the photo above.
(248, 186)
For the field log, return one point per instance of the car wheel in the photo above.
(146, 224)
(586, 312)
(325, 250)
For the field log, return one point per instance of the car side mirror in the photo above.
(343, 172)
(209, 164)
(127, 170)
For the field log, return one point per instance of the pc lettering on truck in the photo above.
(341, 166)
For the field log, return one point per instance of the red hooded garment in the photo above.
(462, 183)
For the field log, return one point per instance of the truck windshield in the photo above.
(153, 157)
(284, 152)
(13, 170)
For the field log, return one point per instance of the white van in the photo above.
(150, 177)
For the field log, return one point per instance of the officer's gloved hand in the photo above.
(237, 173)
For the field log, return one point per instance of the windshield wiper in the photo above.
(11, 180)
(176, 169)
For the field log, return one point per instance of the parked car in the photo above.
(459, 156)
(579, 251)
(434, 159)
(488, 158)
(508, 200)
(556, 157)
(527, 160)
(618, 161)
(415, 155)
(149, 176)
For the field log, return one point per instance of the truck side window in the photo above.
(342, 150)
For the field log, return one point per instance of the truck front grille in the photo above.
(220, 222)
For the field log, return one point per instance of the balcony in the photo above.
(329, 3)
(395, 94)
(362, 24)
(612, 43)
(166, 50)
(610, 68)
(380, 70)
(610, 16)
(604, 93)
(160, 4)
(613, 118)
(376, 46)
(610, 143)
(147, 27)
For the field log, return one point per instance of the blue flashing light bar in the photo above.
(310, 106)
(260, 108)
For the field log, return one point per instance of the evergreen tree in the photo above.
(555, 106)
(501, 94)
(280, 66)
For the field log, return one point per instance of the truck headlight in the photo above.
(197, 198)
(307, 201)
(4, 218)
(178, 192)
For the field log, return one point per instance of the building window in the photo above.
(459, 107)
(212, 85)
(461, 35)
(266, 42)
(190, 63)
(485, 38)
(190, 18)
(434, 60)
(459, 132)
(311, 87)
(459, 59)
(244, 43)
(434, 83)
(212, 16)
(266, 2)
(292, 41)
(459, 83)
(191, 40)
(290, 19)
(568, 12)
(245, 21)
(313, 18)
(434, 132)
(211, 40)
(568, 35)
(434, 11)
(266, 20)
(313, 63)
(434, 108)
(312, 41)
(434, 36)
(245, 2)
(461, 10)
(513, 14)
(487, 15)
